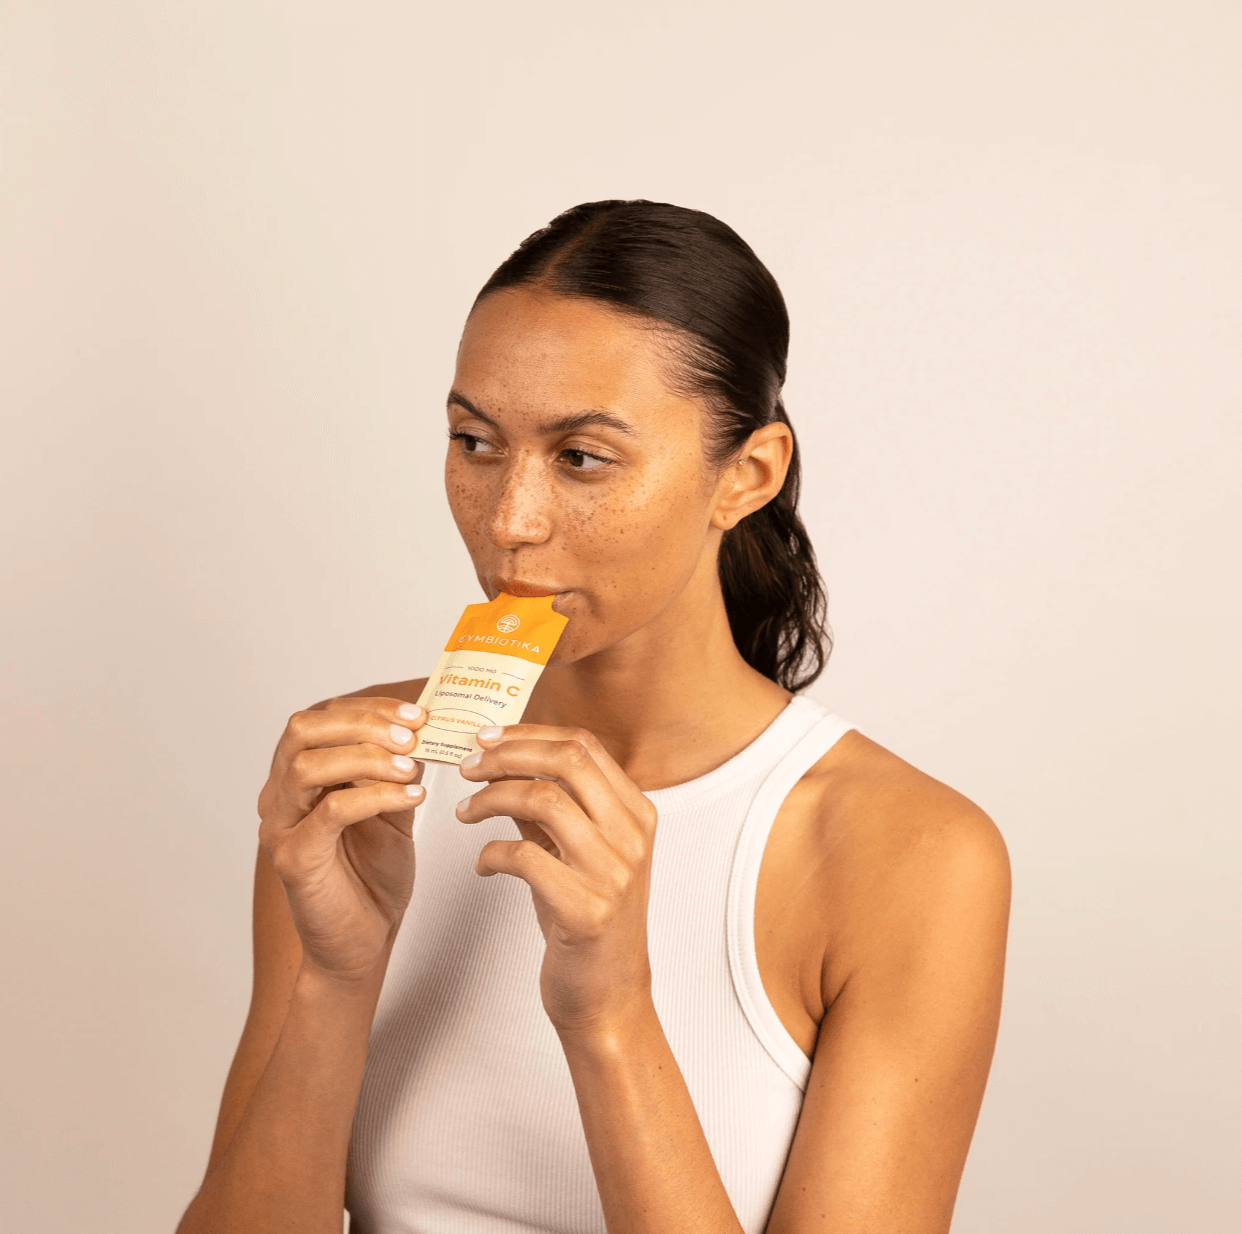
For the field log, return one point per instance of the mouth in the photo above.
(516, 587)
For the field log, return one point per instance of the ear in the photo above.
(754, 477)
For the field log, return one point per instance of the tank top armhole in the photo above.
(744, 882)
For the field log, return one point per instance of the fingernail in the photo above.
(490, 733)
(471, 760)
(462, 804)
(398, 734)
(410, 711)
(403, 762)
(414, 790)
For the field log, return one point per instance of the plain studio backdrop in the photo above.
(238, 244)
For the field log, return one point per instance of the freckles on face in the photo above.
(613, 511)
(641, 536)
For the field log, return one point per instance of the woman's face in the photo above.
(574, 470)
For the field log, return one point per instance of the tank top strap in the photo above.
(823, 731)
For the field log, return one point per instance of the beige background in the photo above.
(238, 243)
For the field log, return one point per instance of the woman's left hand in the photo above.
(587, 837)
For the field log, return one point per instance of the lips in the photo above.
(515, 587)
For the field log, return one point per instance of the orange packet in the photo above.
(486, 673)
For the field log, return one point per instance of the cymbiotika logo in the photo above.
(508, 623)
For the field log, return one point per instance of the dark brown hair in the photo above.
(685, 269)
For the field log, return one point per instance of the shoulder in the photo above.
(874, 806)
(406, 691)
(902, 855)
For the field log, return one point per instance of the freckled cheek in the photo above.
(642, 531)
(468, 498)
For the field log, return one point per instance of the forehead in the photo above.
(525, 347)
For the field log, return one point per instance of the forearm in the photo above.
(284, 1169)
(652, 1163)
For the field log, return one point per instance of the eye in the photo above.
(580, 460)
(471, 444)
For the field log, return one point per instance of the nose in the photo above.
(520, 513)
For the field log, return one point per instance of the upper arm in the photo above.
(277, 958)
(904, 1050)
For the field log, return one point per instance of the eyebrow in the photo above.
(563, 424)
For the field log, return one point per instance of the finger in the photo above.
(631, 797)
(383, 703)
(337, 810)
(312, 770)
(579, 840)
(570, 764)
(391, 725)
(572, 904)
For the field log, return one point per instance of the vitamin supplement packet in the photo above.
(486, 673)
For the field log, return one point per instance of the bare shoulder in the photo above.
(877, 803)
(898, 854)
(406, 691)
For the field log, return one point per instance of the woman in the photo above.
(745, 971)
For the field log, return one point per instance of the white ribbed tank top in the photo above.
(468, 1122)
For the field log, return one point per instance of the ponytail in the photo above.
(773, 592)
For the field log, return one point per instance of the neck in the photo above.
(672, 700)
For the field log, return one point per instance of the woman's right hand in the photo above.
(337, 820)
